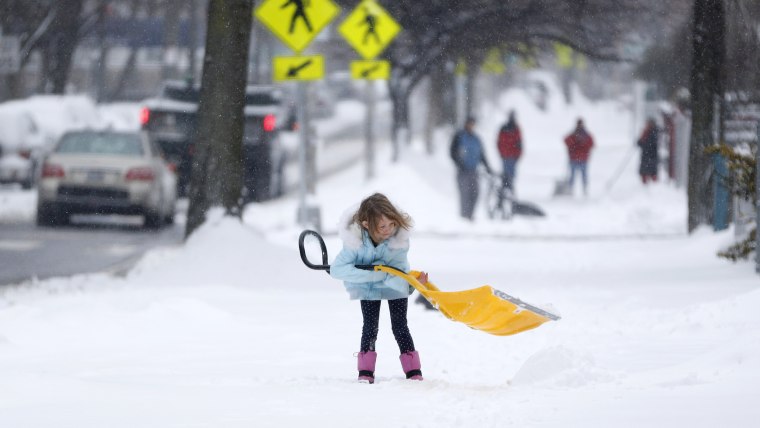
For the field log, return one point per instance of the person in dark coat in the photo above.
(467, 154)
(579, 144)
(509, 143)
(650, 159)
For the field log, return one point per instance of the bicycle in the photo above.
(501, 203)
(499, 198)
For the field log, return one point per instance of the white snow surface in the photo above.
(232, 330)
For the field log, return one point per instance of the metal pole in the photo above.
(308, 215)
(368, 128)
(302, 148)
(311, 150)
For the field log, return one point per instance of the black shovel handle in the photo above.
(324, 266)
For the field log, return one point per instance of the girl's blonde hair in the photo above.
(377, 205)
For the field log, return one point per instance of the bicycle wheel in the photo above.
(495, 201)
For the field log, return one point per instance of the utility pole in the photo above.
(369, 152)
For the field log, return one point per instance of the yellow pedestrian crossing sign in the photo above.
(371, 70)
(296, 22)
(310, 67)
(369, 29)
(493, 63)
(564, 55)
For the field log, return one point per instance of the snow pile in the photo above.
(18, 207)
(560, 367)
(217, 252)
(38, 121)
(232, 330)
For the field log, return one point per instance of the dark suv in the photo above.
(170, 121)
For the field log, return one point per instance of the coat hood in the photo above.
(351, 233)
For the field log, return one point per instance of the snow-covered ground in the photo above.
(232, 330)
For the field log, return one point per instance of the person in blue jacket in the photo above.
(467, 153)
(378, 233)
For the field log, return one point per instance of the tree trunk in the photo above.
(706, 91)
(129, 67)
(169, 69)
(126, 74)
(474, 59)
(469, 90)
(14, 84)
(196, 11)
(433, 112)
(217, 162)
(63, 41)
(441, 103)
(101, 68)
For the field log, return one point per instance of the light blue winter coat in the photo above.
(358, 249)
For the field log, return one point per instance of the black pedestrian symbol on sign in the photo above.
(370, 20)
(299, 11)
(295, 69)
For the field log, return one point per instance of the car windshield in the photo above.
(101, 143)
(261, 99)
(182, 93)
(253, 97)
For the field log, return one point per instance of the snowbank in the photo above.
(38, 121)
(232, 330)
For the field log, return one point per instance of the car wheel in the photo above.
(50, 215)
(43, 216)
(153, 220)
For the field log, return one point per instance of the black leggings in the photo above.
(371, 315)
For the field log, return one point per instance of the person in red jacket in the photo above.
(579, 144)
(509, 143)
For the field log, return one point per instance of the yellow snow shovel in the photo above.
(483, 308)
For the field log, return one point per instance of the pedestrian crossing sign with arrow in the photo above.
(370, 70)
(369, 29)
(310, 67)
(296, 22)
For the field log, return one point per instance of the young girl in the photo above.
(378, 233)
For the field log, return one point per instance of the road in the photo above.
(113, 245)
(28, 251)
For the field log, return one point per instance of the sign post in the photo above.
(369, 29)
(296, 23)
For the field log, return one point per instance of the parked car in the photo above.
(18, 167)
(170, 120)
(21, 145)
(106, 172)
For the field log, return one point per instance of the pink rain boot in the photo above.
(410, 362)
(367, 366)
